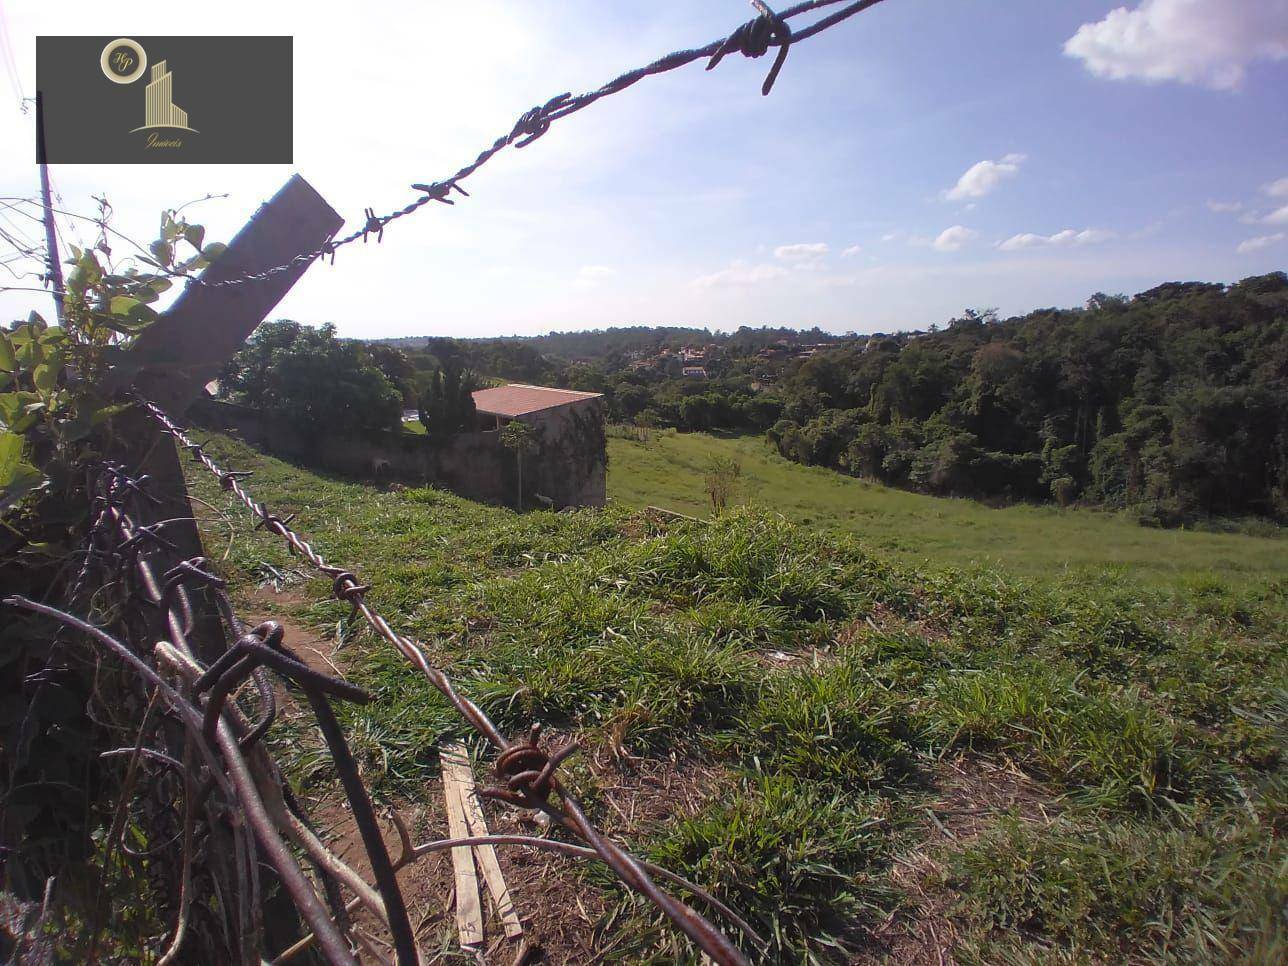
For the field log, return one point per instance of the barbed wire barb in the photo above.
(753, 38)
(526, 771)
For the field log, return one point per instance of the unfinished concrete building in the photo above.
(570, 467)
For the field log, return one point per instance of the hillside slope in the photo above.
(666, 469)
(863, 758)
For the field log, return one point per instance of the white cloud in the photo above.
(1206, 42)
(1277, 189)
(737, 274)
(1061, 239)
(1260, 242)
(851, 251)
(889, 236)
(801, 252)
(983, 176)
(1225, 207)
(1277, 217)
(592, 276)
(952, 239)
(595, 273)
(1254, 217)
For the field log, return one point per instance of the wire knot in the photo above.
(328, 248)
(228, 478)
(375, 225)
(268, 520)
(536, 122)
(269, 633)
(345, 587)
(439, 190)
(527, 771)
(754, 38)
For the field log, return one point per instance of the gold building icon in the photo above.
(160, 110)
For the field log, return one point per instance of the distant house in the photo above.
(690, 355)
(571, 467)
(694, 372)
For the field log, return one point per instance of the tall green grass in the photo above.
(665, 468)
(823, 680)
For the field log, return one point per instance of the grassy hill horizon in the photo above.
(665, 468)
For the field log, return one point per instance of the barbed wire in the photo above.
(752, 39)
(134, 557)
(526, 772)
(217, 731)
(142, 565)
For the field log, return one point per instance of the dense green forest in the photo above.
(1173, 401)
(1176, 399)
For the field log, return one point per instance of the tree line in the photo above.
(1173, 400)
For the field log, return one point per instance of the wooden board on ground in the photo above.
(457, 763)
(469, 912)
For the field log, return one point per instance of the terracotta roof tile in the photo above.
(520, 400)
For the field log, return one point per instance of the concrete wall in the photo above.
(572, 466)
(473, 465)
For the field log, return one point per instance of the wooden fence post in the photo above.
(174, 357)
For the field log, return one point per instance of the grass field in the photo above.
(666, 470)
(868, 758)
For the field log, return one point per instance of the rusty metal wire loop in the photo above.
(227, 767)
(527, 773)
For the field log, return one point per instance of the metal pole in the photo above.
(55, 266)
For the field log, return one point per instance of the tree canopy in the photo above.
(1175, 399)
(318, 382)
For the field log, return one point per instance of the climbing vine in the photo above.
(55, 426)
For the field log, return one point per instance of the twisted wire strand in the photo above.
(751, 39)
(527, 772)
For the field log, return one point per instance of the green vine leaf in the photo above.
(45, 377)
(162, 251)
(17, 477)
(15, 410)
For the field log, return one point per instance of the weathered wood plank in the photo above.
(485, 854)
(469, 911)
(174, 357)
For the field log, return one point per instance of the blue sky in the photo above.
(924, 157)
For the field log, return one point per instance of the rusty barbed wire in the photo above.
(526, 772)
(751, 39)
(135, 557)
